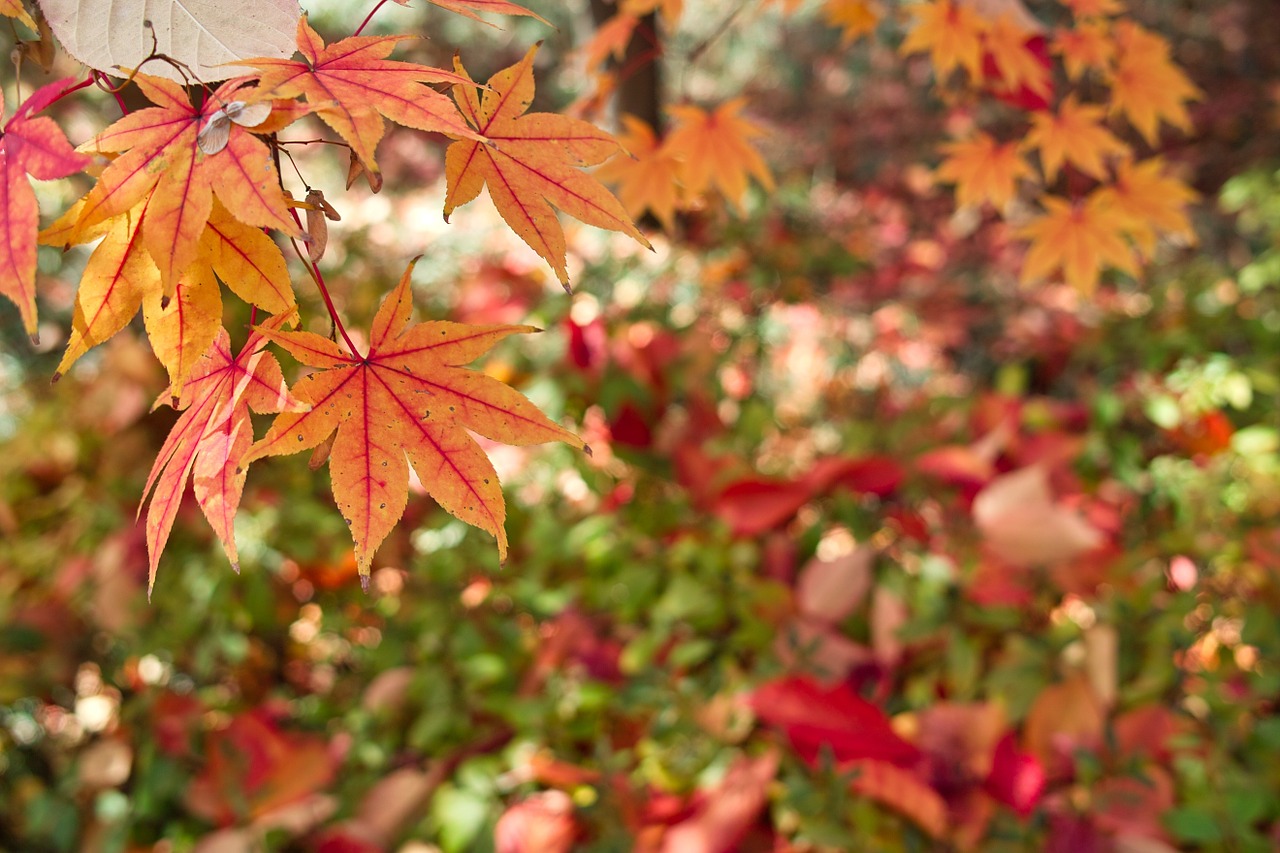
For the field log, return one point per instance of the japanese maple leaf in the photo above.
(162, 158)
(1016, 65)
(983, 170)
(30, 145)
(855, 18)
(1074, 135)
(1145, 83)
(470, 7)
(1151, 202)
(352, 85)
(532, 164)
(120, 276)
(715, 150)
(671, 10)
(1080, 238)
(212, 436)
(648, 180)
(951, 34)
(407, 401)
(14, 9)
(1088, 46)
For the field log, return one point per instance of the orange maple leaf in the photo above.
(352, 85)
(855, 18)
(30, 145)
(1015, 63)
(1081, 239)
(609, 40)
(649, 179)
(983, 170)
(715, 150)
(1151, 202)
(407, 401)
(1145, 83)
(951, 34)
(211, 438)
(163, 159)
(120, 277)
(1074, 135)
(1089, 45)
(532, 164)
(671, 10)
(470, 7)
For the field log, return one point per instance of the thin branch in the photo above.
(369, 17)
(318, 278)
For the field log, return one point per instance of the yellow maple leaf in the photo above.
(1016, 65)
(1079, 238)
(983, 170)
(856, 18)
(1088, 46)
(1073, 135)
(1151, 202)
(1146, 85)
(671, 10)
(648, 180)
(950, 33)
(1094, 8)
(715, 150)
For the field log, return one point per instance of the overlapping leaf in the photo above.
(1074, 135)
(161, 158)
(408, 401)
(951, 33)
(352, 85)
(983, 170)
(716, 151)
(533, 164)
(30, 145)
(470, 7)
(648, 179)
(1146, 85)
(212, 436)
(1079, 238)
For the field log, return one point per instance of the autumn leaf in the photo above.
(162, 158)
(950, 33)
(855, 18)
(715, 150)
(1151, 202)
(1016, 64)
(470, 7)
(30, 145)
(120, 276)
(408, 397)
(1075, 135)
(1088, 46)
(649, 179)
(1094, 8)
(671, 10)
(1146, 86)
(211, 438)
(531, 165)
(1080, 238)
(609, 40)
(352, 85)
(983, 170)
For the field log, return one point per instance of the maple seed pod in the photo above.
(215, 134)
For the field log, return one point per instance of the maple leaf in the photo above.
(163, 159)
(352, 85)
(531, 165)
(610, 40)
(1094, 8)
(1146, 85)
(671, 10)
(715, 150)
(983, 170)
(120, 277)
(950, 33)
(1074, 135)
(1151, 201)
(211, 438)
(409, 396)
(1089, 45)
(855, 18)
(649, 178)
(30, 145)
(1078, 238)
(470, 7)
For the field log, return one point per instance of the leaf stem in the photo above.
(318, 278)
(369, 17)
(102, 83)
(88, 81)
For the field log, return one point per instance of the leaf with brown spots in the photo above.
(408, 401)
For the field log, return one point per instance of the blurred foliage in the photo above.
(809, 428)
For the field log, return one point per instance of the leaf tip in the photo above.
(57, 374)
(364, 581)
(586, 448)
(235, 566)
(35, 339)
(164, 302)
